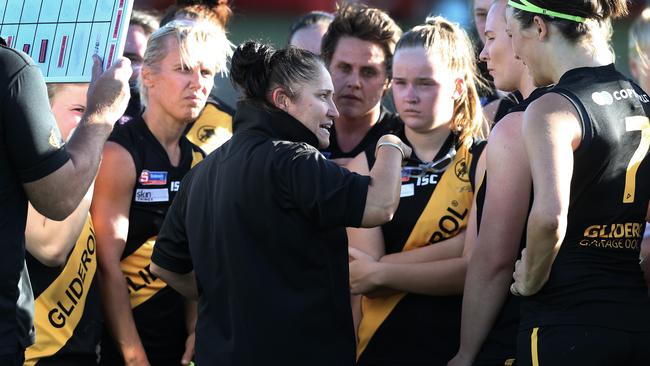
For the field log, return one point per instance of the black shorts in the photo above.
(572, 345)
(495, 362)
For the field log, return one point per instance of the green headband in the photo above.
(532, 8)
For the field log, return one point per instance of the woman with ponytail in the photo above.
(411, 270)
(259, 226)
(584, 300)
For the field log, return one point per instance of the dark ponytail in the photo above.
(603, 11)
(250, 69)
(256, 69)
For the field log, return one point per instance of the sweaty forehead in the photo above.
(358, 52)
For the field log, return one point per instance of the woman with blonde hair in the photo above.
(411, 270)
(143, 164)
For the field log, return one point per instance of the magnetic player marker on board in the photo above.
(97, 45)
(64, 43)
(10, 40)
(110, 56)
(43, 51)
(118, 20)
(26, 47)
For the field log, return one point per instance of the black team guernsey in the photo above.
(596, 279)
(158, 310)
(501, 343)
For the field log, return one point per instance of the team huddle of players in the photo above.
(522, 205)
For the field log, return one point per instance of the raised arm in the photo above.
(495, 250)
(551, 131)
(110, 212)
(385, 181)
(108, 96)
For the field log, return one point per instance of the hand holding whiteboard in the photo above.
(61, 36)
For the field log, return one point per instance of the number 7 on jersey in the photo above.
(636, 123)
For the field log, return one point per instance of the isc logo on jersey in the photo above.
(606, 98)
(149, 178)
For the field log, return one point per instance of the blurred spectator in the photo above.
(480, 9)
(307, 31)
(140, 29)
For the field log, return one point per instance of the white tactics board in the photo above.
(62, 35)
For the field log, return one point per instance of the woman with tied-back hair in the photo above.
(490, 318)
(144, 161)
(411, 270)
(584, 300)
(257, 232)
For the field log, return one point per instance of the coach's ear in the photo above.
(280, 98)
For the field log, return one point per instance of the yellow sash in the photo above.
(444, 216)
(142, 284)
(58, 309)
(211, 129)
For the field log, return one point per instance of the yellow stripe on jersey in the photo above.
(211, 129)
(533, 347)
(58, 309)
(444, 216)
(196, 158)
(636, 123)
(142, 284)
